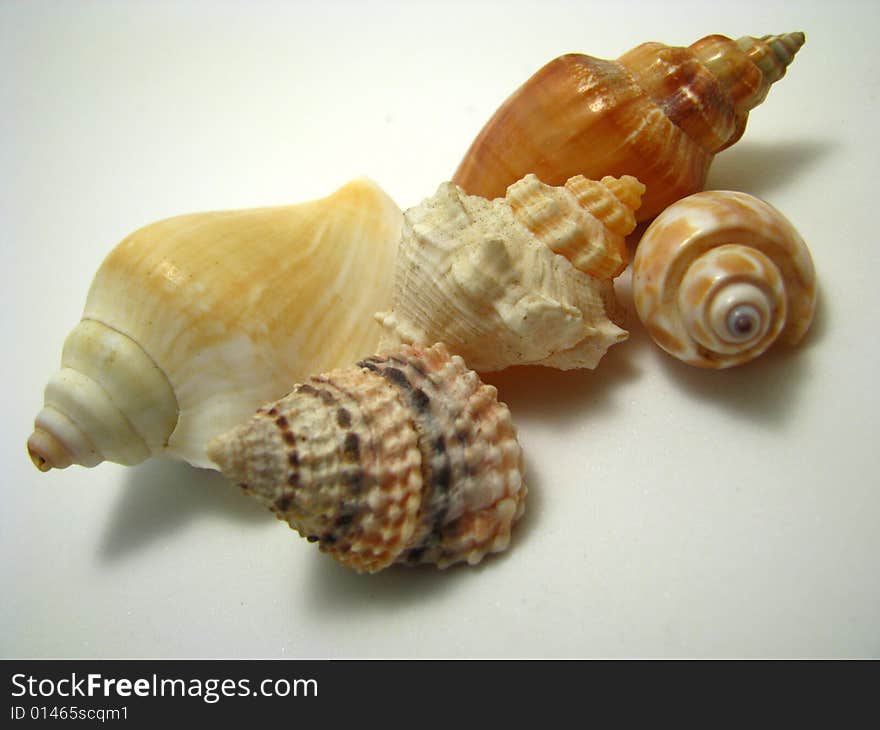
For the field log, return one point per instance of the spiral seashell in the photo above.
(719, 276)
(521, 279)
(192, 322)
(405, 458)
(658, 112)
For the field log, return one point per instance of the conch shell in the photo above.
(517, 280)
(192, 322)
(405, 458)
(719, 276)
(658, 112)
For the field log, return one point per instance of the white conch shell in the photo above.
(193, 322)
(484, 276)
(405, 458)
(719, 276)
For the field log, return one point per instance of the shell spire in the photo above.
(745, 70)
(773, 54)
(109, 401)
(405, 458)
(589, 226)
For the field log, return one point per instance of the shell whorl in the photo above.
(506, 282)
(405, 458)
(719, 276)
(708, 88)
(772, 54)
(109, 401)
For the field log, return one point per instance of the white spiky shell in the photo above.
(406, 457)
(192, 322)
(719, 276)
(525, 279)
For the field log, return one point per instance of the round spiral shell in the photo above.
(719, 276)
(406, 458)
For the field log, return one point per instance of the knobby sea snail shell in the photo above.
(719, 276)
(522, 279)
(192, 322)
(660, 113)
(405, 458)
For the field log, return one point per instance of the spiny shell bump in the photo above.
(524, 279)
(719, 276)
(405, 458)
(192, 322)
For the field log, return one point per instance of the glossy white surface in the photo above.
(673, 512)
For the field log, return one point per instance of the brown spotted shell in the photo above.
(406, 458)
(658, 112)
(719, 276)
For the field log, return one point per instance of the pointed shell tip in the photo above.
(39, 461)
(216, 451)
(41, 446)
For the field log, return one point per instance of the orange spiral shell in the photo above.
(660, 113)
(720, 276)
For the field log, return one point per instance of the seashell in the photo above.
(719, 276)
(192, 322)
(658, 112)
(521, 279)
(405, 458)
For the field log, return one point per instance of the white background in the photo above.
(673, 512)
